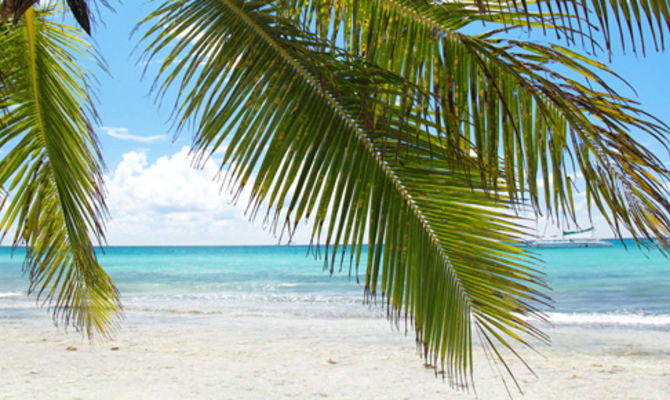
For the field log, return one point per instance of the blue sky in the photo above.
(156, 198)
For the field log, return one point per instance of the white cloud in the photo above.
(122, 133)
(170, 203)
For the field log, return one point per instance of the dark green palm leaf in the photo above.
(81, 12)
(528, 111)
(612, 23)
(619, 21)
(15, 9)
(307, 129)
(79, 8)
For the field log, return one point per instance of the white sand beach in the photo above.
(191, 356)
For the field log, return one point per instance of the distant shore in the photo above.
(262, 357)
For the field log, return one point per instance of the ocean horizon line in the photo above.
(610, 239)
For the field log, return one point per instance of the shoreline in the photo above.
(258, 357)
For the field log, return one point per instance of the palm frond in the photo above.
(616, 23)
(307, 129)
(80, 9)
(619, 21)
(52, 172)
(528, 111)
(81, 12)
(15, 9)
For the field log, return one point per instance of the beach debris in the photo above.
(331, 361)
(115, 348)
(71, 348)
(615, 368)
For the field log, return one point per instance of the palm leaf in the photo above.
(307, 130)
(80, 10)
(52, 172)
(501, 99)
(619, 21)
(16, 8)
(614, 23)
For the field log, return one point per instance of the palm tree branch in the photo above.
(501, 73)
(80, 10)
(55, 195)
(330, 100)
(309, 130)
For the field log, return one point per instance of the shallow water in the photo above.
(590, 286)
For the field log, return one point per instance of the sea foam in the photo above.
(610, 319)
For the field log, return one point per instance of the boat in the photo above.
(569, 239)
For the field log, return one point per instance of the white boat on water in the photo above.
(570, 239)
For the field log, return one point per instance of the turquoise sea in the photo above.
(590, 286)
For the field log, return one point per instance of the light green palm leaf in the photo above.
(52, 172)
